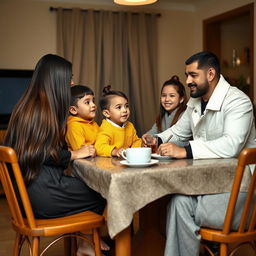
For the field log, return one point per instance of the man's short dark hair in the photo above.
(205, 60)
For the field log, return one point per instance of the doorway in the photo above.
(230, 37)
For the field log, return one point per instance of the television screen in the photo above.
(12, 85)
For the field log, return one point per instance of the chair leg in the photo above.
(253, 244)
(68, 250)
(223, 249)
(35, 245)
(17, 244)
(70, 246)
(96, 241)
(73, 246)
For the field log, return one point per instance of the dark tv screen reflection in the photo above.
(13, 83)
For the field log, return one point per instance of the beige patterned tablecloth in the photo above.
(129, 189)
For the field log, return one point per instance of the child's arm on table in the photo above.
(85, 151)
(102, 144)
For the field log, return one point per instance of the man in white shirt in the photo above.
(219, 119)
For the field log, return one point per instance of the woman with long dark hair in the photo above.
(36, 131)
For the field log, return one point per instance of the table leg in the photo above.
(123, 242)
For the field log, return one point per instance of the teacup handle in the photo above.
(123, 154)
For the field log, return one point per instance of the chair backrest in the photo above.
(9, 168)
(246, 157)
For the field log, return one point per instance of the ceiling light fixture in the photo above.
(134, 2)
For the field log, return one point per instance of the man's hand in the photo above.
(170, 149)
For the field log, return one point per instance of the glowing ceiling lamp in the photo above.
(134, 2)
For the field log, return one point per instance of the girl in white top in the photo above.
(173, 102)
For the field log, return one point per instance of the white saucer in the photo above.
(152, 161)
(157, 156)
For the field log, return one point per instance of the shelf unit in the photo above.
(238, 42)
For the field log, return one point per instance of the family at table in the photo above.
(53, 124)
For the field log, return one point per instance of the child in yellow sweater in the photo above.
(81, 127)
(116, 132)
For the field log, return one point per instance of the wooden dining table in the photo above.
(129, 189)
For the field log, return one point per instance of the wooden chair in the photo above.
(245, 234)
(30, 229)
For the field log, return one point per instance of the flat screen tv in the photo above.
(12, 85)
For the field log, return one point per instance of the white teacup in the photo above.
(137, 155)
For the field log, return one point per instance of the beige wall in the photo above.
(28, 31)
(176, 32)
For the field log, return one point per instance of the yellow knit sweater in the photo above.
(80, 132)
(110, 137)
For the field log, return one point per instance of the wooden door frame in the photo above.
(211, 26)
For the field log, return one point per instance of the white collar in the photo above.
(116, 124)
(218, 95)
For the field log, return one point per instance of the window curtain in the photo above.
(117, 49)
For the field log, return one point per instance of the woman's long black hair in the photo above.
(37, 126)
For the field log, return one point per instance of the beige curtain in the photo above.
(116, 48)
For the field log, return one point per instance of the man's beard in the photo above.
(199, 92)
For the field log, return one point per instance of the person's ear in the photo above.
(73, 110)
(106, 113)
(181, 100)
(211, 73)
